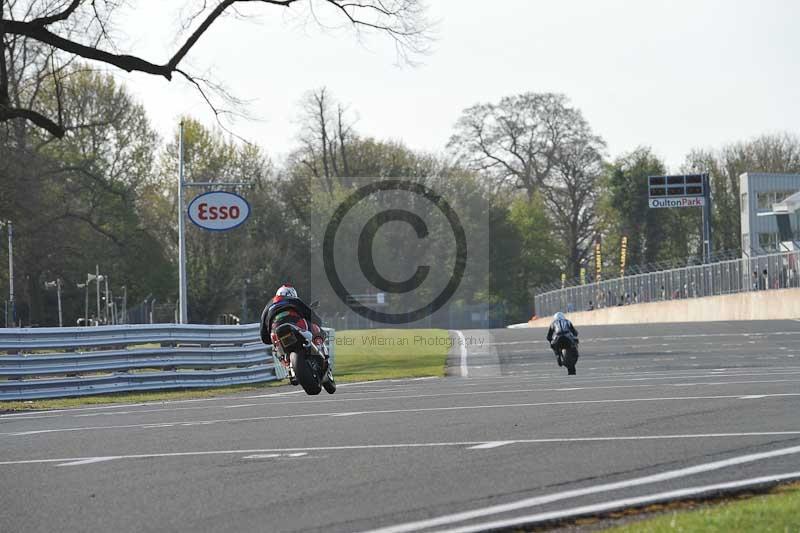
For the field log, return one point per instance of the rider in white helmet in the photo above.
(558, 328)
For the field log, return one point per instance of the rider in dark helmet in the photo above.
(286, 306)
(559, 328)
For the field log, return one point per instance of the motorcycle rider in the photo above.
(559, 328)
(287, 306)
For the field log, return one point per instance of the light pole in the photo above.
(56, 285)
(11, 301)
(85, 286)
(108, 308)
(245, 283)
(124, 304)
(152, 309)
(98, 278)
(182, 303)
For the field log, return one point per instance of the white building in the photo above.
(760, 228)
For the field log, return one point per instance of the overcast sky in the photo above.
(671, 74)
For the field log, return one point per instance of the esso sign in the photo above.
(218, 210)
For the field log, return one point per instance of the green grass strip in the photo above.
(371, 354)
(777, 512)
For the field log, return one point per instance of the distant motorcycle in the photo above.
(306, 364)
(567, 346)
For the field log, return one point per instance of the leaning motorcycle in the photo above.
(567, 346)
(305, 362)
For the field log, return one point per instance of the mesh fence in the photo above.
(765, 272)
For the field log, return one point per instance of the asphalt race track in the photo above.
(655, 412)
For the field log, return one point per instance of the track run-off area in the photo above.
(656, 412)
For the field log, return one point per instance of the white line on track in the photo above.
(89, 461)
(626, 503)
(414, 445)
(32, 416)
(354, 385)
(274, 455)
(454, 518)
(561, 403)
(491, 444)
(637, 375)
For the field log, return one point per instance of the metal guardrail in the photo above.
(61, 362)
(765, 272)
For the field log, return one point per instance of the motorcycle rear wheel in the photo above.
(570, 359)
(303, 370)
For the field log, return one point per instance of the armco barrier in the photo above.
(59, 362)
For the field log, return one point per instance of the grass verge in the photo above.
(370, 354)
(778, 512)
(361, 355)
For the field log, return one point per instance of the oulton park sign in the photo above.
(687, 190)
(677, 202)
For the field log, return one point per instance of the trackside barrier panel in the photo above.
(764, 272)
(40, 363)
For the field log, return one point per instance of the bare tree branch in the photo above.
(64, 15)
(402, 20)
(9, 113)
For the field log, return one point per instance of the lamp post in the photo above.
(86, 302)
(124, 304)
(182, 301)
(98, 278)
(245, 283)
(11, 300)
(56, 285)
(108, 308)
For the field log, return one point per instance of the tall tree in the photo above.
(624, 206)
(571, 194)
(73, 200)
(326, 133)
(525, 253)
(516, 142)
(537, 142)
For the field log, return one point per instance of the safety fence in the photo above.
(764, 272)
(60, 362)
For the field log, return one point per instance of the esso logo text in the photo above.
(218, 210)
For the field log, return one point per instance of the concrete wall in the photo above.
(759, 305)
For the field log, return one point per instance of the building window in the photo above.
(768, 241)
(766, 199)
(744, 202)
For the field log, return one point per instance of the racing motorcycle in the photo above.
(567, 346)
(306, 363)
